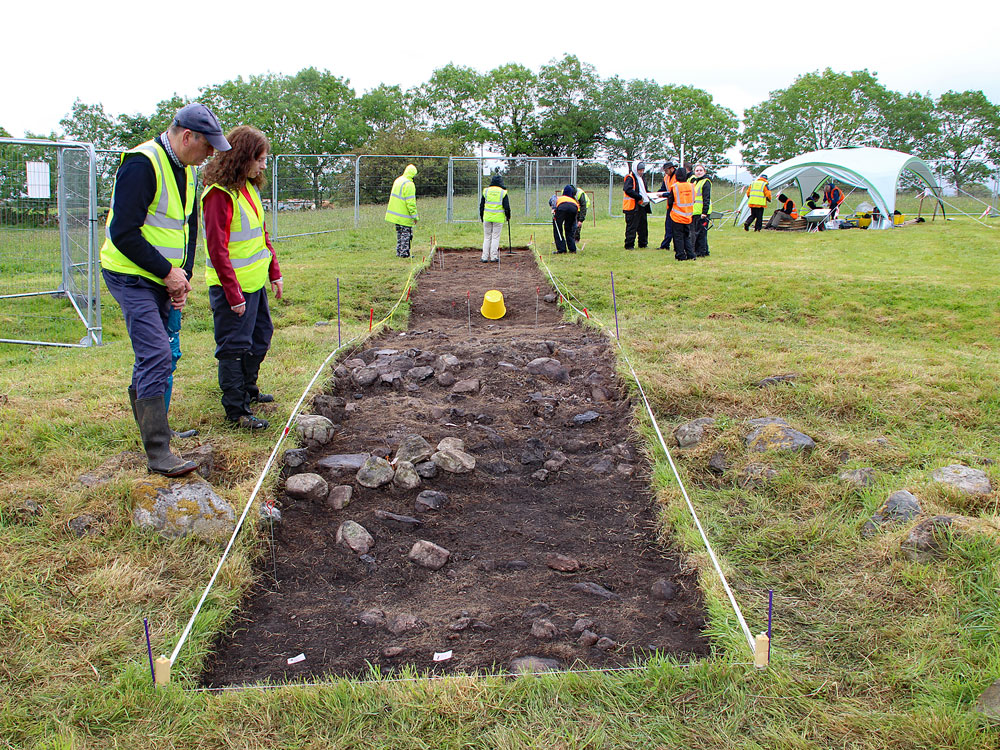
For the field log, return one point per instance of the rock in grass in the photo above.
(774, 434)
(989, 701)
(533, 665)
(964, 479)
(902, 506)
(859, 477)
(693, 432)
(355, 537)
(179, 508)
(923, 544)
(429, 555)
(376, 472)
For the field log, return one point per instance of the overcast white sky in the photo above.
(129, 57)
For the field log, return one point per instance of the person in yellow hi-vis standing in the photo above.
(241, 262)
(494, 210)
(758, 196)
(402, 209)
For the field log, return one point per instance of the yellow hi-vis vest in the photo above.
(248, 252)
(493, 205)
(698, 202)
(402, 208)
(756, 195)
(166, 224)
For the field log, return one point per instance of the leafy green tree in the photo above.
(908, 124)
(630, 112)
(89, 123)
(969, 136)
(383, 108)
(377, 175)
(255, 101)
(818, 111)
(451, 102)
(692, 124)
(508, 111)
(568, 122)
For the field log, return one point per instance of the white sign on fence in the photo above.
(38, 179)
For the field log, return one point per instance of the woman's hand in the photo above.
(278, 287)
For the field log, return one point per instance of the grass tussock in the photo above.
(893, 341)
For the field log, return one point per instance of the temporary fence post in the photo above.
(450, 189)
(273, 229)
(338, 312)
(149, 650)
(357, 191)
(614, 301)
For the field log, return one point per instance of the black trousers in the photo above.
(563, 230)
(683, 241)
(635, 226)
(700, 238)
(668, 233)
(756, 216)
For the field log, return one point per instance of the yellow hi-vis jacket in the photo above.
(166, 224)
(493, 204)
(402, 208)
(699, 183)
(758, 193)
(249, 254)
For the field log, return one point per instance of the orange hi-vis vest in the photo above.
(683, 207)
(567, 199)
(628, 202)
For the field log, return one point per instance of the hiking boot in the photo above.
(248, 422)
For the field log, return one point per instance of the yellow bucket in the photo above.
(493, 307)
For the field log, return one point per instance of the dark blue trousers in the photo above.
(237, 335)
(145, 306)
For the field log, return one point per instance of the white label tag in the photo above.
(296, 659)
(441, 656)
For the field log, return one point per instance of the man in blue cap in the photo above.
(148, 257)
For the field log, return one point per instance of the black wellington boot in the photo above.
(151, 416)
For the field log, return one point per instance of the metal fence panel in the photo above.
(48, 243)
(311, 194)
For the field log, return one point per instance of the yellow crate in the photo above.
(898, 219)
(864, 220)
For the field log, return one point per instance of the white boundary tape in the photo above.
(663, 444)
(270, 461)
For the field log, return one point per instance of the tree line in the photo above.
(565, 109)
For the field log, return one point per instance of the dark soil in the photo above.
(500, 522)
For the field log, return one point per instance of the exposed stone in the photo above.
(331, 407)
(355, 537)
(179, 508)
(343, 463)
(295, 457)
(307, 487)
(413, 448)
(446, 363)
(901, 507)
(533, 665)
(536, 610)
(429, 500)
(544, 630)
(549, 368)
(374, 618)
(664, 590)
(84, 525)
(481, 625)
(602, 465)
(203, 457)
(340, 496)
(588, 638)
(403, 623)
(533, 451)
(429, 555)
(269, 513)
(601, 393)
(392, 652)
(989, 701)
(406, 476)
(556, 462)
(582, 623)
(859, 477)
(579, 446)
(394, 519)
(541, 475)
(314, 430)
(364, 376)
(456, 462)
(586, 418)
(594, 589)
(626, 470)
(550, 298)
(718, 464)
(606, 644)
(776, 380)
(451, 444)
(375, 472)
(923, 544)
(562, 563)
(693, 432)
(124, 461)
(466, 386)
(445, 379)
(964, 479)
(426, 470)
(774, 434)
(756, 476)
(29, 507)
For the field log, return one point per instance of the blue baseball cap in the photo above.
(200, 119)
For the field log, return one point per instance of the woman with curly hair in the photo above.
(240, 263)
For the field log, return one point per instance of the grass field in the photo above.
(892, 334)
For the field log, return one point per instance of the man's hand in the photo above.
(278, 287)
(239, 309)
(177, 283)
